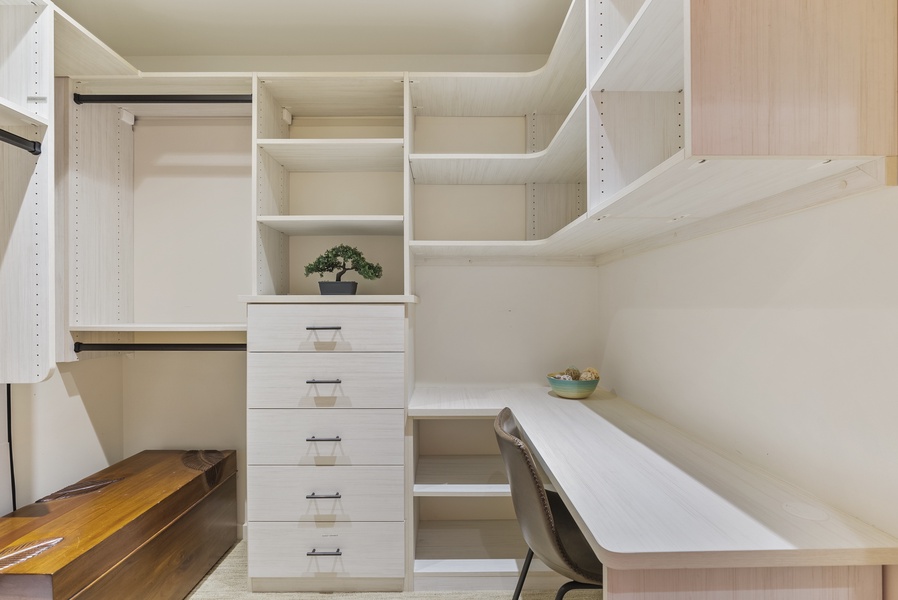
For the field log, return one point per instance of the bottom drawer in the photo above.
(342, 549)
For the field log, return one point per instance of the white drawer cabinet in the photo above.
(326, 437)
(285, 493)
(325, 328)
(312, 380)
(337, 550)
(326, 446)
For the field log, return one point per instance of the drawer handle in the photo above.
(318, 439)
(316, 552)
(325, 328)
(317, 381)
(314, 496)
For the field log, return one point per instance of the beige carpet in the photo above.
(228, 581)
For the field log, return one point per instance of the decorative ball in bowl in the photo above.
(573, 384)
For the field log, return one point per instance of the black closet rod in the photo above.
(163, 98)
(20, 142)
(122, 347)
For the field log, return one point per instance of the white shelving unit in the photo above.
(322, 155)
(27, 282)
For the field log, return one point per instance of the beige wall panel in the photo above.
(186, 400)
(192, 211)
(486, 135)
(503, 324)
(378, 193)
(470, 212)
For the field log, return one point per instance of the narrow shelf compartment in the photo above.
(650, 55)
(335, 155)
(563, 161)
(446, 476)
(335, 224)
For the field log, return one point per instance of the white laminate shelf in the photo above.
(563, 161)
(13, 114)
(337, 94)
(310, 299)
(337, 155)
(461, 476)
(681, 199)
(335, 224)
(650, 55)
(159, 327)
(78, 52)
(552, 89)
(452, 402)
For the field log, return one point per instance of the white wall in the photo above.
(777, 341)
(192, 220)
(66, 427)
(503, 324)
(187, 401)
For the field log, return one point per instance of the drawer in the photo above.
(363, 494)
(341, 380)
(325, 328)
(362, 436)
(360, 549)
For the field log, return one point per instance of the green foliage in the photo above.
(342, 259)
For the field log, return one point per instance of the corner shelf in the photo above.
(563, 161)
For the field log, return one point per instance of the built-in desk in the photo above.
(667, 514)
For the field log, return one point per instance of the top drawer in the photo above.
(325, 328)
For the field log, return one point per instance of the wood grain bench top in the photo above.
(72, 537)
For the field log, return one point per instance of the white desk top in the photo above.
(647, 495)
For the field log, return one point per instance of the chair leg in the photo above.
(574, 585)
(524, 568)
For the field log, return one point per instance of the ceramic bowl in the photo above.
(566, 388)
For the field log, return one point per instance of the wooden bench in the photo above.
(147, 528)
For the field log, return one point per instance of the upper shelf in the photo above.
(337, 94)
(335, 224)
(552, 89)
(77, 52)
(649, 56)
(359, 155)
(682, 199)
(563, 161)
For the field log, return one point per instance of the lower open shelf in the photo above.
(476, 555)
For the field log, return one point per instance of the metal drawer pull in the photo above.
(314, 496)
(315, 381)
(331, 328)
(315, 552)
(318, 439)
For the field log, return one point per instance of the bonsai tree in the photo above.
(343, 259)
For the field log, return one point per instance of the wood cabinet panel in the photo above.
(788, 77)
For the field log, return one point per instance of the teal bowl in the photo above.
(576, 390)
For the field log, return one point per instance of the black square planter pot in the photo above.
(337, 288)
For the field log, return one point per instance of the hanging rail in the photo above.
(20, 142)
(163, 98)
(125, 347)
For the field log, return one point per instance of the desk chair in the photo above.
(550, 531)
